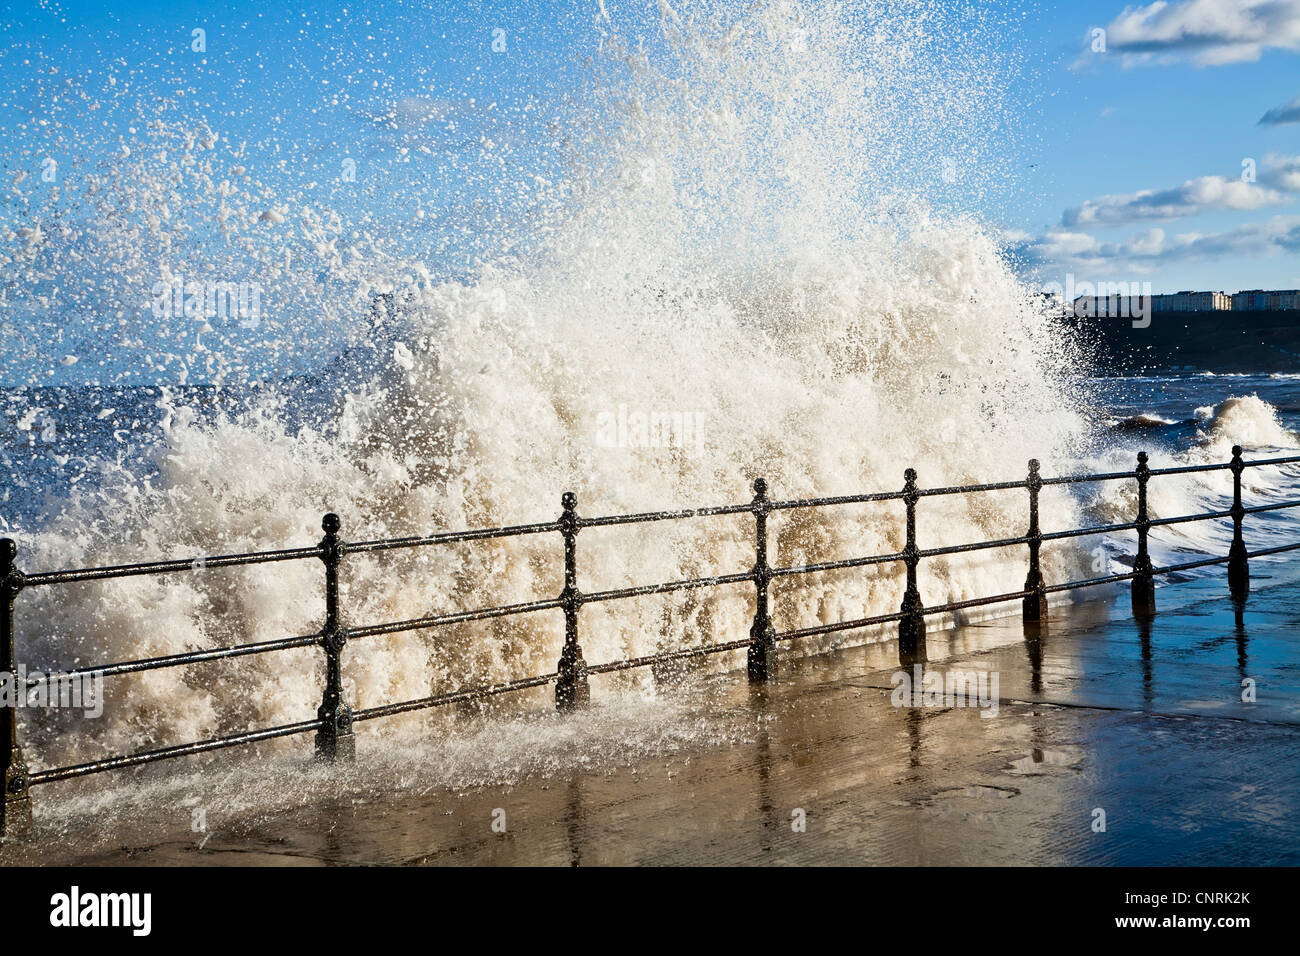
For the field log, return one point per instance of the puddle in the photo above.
(1043, 761)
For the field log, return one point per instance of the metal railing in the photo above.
(335, 719)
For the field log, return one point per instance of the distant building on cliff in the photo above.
(1122, 305)
(1192, 302)
(1265, 300)
(1187, 301)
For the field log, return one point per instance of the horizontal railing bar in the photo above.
(834, 500)
(1129, 575)
(597, 596)
(1262, 552)
(1084, 532)
(1189, 565)
(1084, 479)
(1273, 507)
(648, 516)
(449, 537)
(1183, 519)
(972, 546)
(838, 626)
(977, 602)
(437, 700)
(1089, 582)
(965, 489)
(632, 662)
(452, 697)
(164, 567)
(1178, 470)
(439, 620)
(181, 750)
(1291, 460)
(1190, 469)
(836, 565)
(174, 660)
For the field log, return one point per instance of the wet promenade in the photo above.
(1099, 720)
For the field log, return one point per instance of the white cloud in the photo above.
(1060, 247)
(1192, 197)
(1281, 171)
(1149, 243)
(1287, 113)
(1207, 32)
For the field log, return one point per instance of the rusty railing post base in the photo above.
(16, 811)
(1034, 608)
(332, 747)
(572, 689)
(1144, 597)
(911, 635)
(760, 659)
(1238, 572)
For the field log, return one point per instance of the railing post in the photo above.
(1144, 585)
(1238, 565)
(911, 628)
(761, 659)
(334, 739)
(16, 810)
(571, 687)
(1035, 605)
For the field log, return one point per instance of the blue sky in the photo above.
(1129, 165)
(1177, 96)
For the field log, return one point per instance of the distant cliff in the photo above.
(1260, 342)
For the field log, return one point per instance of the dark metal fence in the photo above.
(335, 719)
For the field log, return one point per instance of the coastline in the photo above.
(1222, 342)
